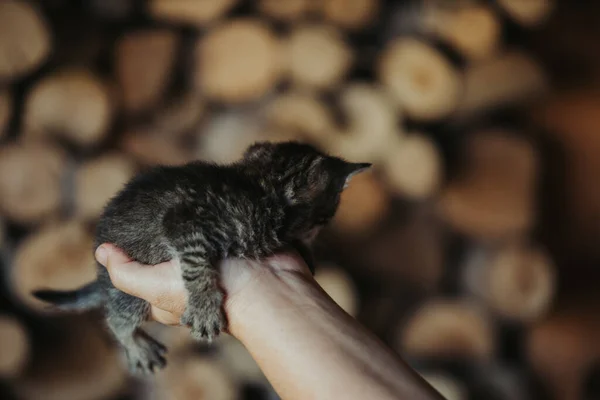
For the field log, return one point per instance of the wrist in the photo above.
(279, 284)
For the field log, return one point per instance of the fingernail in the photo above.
(102, 255)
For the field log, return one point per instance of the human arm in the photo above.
(306, 345)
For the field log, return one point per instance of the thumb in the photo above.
(161, 285)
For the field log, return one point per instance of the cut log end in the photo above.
(494, 198)
(199, 13)
(473, 30)
(144, 64)
(516, 282)
(446, 329)
(154, 147)
(24, 39)
(14, 347)
(372, 123)
(59, 256)
(522, 283)
(508, 80)
(350, 14)
(529, 13)
(99, 180)
(413, 167)
(238, 62)
(301, 113)
(318, 56)
(30, 182)
(422, 80)
(181, 116)
(411, 253)
(72, 104)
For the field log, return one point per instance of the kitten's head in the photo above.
(309, 181)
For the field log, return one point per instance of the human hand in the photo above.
(162, 284)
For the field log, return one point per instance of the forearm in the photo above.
(311, 349)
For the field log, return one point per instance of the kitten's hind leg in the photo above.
(125, 315)
(204, 312)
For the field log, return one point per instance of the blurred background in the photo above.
(472, 248)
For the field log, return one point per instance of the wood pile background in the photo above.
(472, 248)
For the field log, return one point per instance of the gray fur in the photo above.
(199, 213)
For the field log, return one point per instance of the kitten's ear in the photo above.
(260, 151)
(352, 169)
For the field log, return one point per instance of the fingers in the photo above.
(161, 284)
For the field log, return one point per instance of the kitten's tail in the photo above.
(85, 298)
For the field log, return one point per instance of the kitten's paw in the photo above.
(204, 326)
(147, 356)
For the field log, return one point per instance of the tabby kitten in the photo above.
(277, 195)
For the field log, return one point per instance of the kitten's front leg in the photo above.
(204, 312)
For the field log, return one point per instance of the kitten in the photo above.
(277, 195)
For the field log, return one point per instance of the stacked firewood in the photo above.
(442, 249)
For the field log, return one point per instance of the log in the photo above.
(363, 206)
(301, 113)
(72, 104)
(371, 124)
(511, 79)
(447, 329)
(227, 135)
(14, 347)
(25, 41)
(517, 283)
(285, 10)
(30, 182)
(563, 348)
(350, 14)
(6, 106)
(494, 198)
(180, 116)
(412, 166)
(154, 147)
(474, 30)
(98, 180)
(339, 286)
(422, 80)
(81, 365)
(318, 56)
(190, 12)
(573, 120)
(410, 253)
(449, 387)
(193, 379)
(238, 61)
(59, 256)
(529, 13)
(144, 67)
